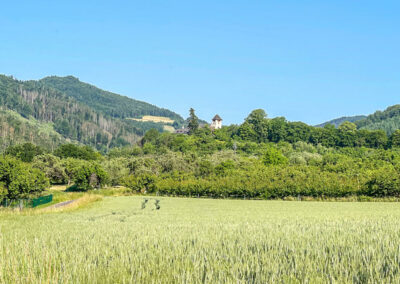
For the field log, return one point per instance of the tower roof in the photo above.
(217, 117)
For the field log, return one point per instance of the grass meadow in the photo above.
(203, 241)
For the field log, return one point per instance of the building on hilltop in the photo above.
(183, 130)
(216, 122)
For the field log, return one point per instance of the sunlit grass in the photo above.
(201, 240)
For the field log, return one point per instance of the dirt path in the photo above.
(62, 204)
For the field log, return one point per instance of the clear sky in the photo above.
(306, 60)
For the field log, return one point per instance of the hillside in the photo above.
(107, 103)
(53, 110)
(16, 129)
(387, 120)
(338, 121)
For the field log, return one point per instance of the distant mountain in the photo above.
(58, 109)
(387, 120)
(338, 121)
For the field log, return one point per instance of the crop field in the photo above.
(153, 118)
(204, 241)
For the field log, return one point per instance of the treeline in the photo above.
(262, 158)
(258, 128)
(271, 170)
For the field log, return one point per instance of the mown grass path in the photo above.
(201, 240)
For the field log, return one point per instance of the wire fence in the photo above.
(26, 203)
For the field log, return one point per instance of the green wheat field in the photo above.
(204, 241)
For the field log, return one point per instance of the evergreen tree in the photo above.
(193, 122)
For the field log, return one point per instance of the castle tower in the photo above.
(216, 122)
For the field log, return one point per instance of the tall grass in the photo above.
(204, 241)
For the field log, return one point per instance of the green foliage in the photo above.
(150, 136)
(193, 124)
(274, 157)
(78, 152)
(338, 121)
(25, 152)
(15, 130)
(384, 182)
(50, 111)
(387, 120)
(144, 183)
(20, 180)
(204, 168)
(117, 170)
(395, 139)
(347, 127)
(257, 126)
(52, 167)
(104, 102)
(89, 175)
(224, 167)
(246, 132)
(262, 158)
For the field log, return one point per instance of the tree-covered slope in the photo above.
(387, 120)
(68, 117)
(338, 121)
(16, 129)
(105, 102)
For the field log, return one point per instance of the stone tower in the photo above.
(216, 122)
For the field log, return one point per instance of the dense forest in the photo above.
(261, 158)
(53, 110)
(387, 120)
(106, 103)
(338, 121)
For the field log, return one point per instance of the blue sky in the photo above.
(306, 60)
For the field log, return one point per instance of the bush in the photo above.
(20, 180)
(274, 157)
(89, 176)
(116, 169)
(25, 152)
(52, 167)
(384, 182)
(78, 152)
(144, 183)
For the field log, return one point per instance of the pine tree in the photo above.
(193, 122)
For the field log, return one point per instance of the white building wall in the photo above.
(216, 124)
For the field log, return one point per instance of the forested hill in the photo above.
(54, 110)
(104, 102)
(387, 120)
(338, 121)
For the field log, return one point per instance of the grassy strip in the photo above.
(81, 200)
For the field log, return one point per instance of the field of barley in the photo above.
(204, 241)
